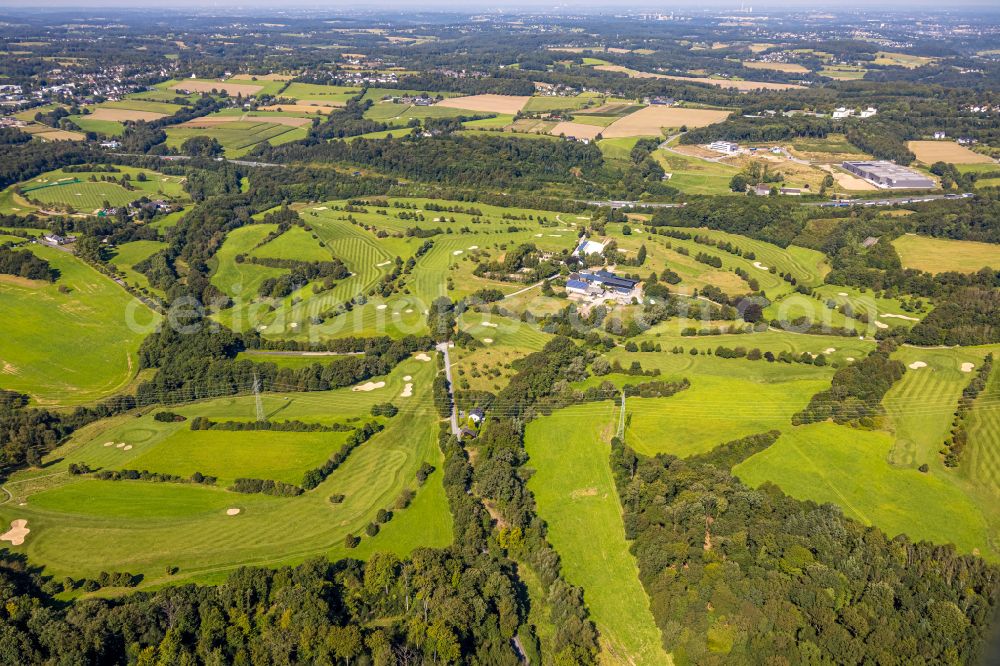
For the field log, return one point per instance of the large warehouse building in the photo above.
(889, 175)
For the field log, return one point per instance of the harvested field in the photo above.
(303, 106)
(742, 86)
(579, 130)
(119, 115)
(224, 87)
(790, 67)
(930, 152)
(212, 121)
(650, 120)
(58, 135)
(611, 109)
(488, 103)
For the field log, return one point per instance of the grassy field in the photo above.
(981, 464)
(546, 104)
(72, 348)
(825, 462)
(129, 254)
(938, 255)
(844, 72)
(696, 176)
(80, 526)
(75, 192)
(577, 498)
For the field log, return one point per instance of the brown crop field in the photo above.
(930, 152)
(650, 120)
(742, 86)
(489, 103)
(120, 115)
(211, 121)
(224, 87)
(579, 130)
(790, 67)
(302, 107)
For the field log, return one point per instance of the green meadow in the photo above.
(577, 498)
(69, 348)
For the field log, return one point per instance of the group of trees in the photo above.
(856, 391)
(26, 264)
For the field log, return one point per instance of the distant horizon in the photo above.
(500, 6)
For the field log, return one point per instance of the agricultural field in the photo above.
(930, 152)
(577, 498)
(74, 347)
(938, 255)
(893, 59)
(843, 72)
(653, 120)
(788, 67)
(82, 525)
(739, 84)
(509, 104)
(237, 136)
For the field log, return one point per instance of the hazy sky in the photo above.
(533, 5)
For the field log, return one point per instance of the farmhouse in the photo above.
(602, 284)
(889, 175)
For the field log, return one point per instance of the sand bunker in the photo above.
(457, 252)
(490, 324)
(879, 324)
(759, 265)
(293, 325)
(109, 443)
(381, 306)
(896, 316)
(127, 447)
(384, 263)
(488, 341)
(850, 358)
(967, 367)
(368, 386)
(408, 310)
(473, 247)
(842, 293)
(916, 365)
(120, 445)
(407, 391)
(320, 208)
(829, 350)
(422, 357)
(18, 530)
(232, 512)
(407, 378)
